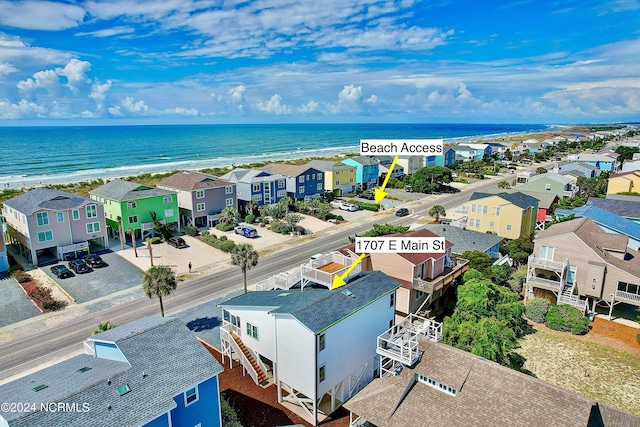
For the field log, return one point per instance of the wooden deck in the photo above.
(332, 267)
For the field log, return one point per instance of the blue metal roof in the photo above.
(605, 219)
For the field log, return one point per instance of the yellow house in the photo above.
(624, 182)
(509, 215)
(338, 177)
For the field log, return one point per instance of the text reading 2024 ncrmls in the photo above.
(400, 147)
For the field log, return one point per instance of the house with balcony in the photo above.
(259, 185)
(366, 171)
(4, 260)
(509, 215)
(48, 225)
(451, 387)
(338, 177)
(561, 185)
(317, 345)
(576, 262)
(131, 205)
(624, 182)
(303, 182)
(201, 197)
(546, 203)
(151, 372)
(384, 163)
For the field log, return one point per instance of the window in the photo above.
(60, 216)
(93, 227)
(228, 202)
(390, 326)
(167, 199)
(281, 183)
(546, 252)
(319, 186)
(485, 209)
(301, 179)
(132, 205)
(508, 227)
(256, 187)
(473, 208)
(392, 299)
(45, 236)
(313, 176)
(200, 194)
(200, 207)
(629, 288)
(43, 218)
(91, 211)
(133, 219)
(191, 396)
(350, 180)
(321, 373)
(477, 223)
(321, 342)
(228, 189)
(498, 211)
(319, 176)
(419, 294)
(281, 193)
(301, 189)
(257, 197)
(168, 213)
(337, 182)
(491, 224)
(252, 330)
(75, 214)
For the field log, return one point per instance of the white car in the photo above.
(336, 204)
(349, 207)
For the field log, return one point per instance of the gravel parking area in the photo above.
(14, 304)
(116, 276)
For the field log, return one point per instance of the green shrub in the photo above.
(205, 233)
(229, 415)
(471, 274)
(225, 227)
(250, 219)
(338, 218)
(374, 207)
(638, 337)
(280, 227)
(537, 309)
(226, 246)
(223, 238)
(20, 276)
(191, 230)
(156, 240)
(568, 319)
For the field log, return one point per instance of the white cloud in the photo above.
(99, 91)
(109, 32)
(350, 93)
(47, 79)
(6, 68)
(40, 15)
(75, 71)
(309, 108)
(237, 93)
(273, 106)
(372, 99)
(22, 109)
(180, 111)
(129, 107)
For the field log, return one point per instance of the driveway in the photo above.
(116, 276)
(14, 304)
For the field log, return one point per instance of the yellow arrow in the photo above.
(379, 192)
(339, 280)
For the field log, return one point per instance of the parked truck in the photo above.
(246, 231)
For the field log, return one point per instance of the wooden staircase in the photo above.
(262, 377)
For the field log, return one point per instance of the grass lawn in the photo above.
(596, 371)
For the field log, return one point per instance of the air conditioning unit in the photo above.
(548, 186)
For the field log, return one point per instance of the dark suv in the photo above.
(177, 242)
(78, 266)
(93, 261)
(61, 272)
(402, 212)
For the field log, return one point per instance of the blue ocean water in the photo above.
(34, 155)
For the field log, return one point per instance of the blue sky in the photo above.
(288, 61)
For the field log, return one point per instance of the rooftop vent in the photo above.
(348, 293)
(124, 389)
(40, 387)
(284, 294)
(85, 369)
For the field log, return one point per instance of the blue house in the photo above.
(366, 171)
(601, 161)
(151, 372)
(437, 160)
(449, 156)
(259, 185)
(609, 222)
(302, 182)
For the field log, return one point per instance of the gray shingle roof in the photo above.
(121, 191)
(318, 309)
(624, 208)
(364, 160)
(464, 240)
(487, 394)
(193, 180)
(326, 165)
(164, 349)
(44, 198)
(545, 200)
(517, 198)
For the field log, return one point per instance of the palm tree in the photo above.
(245, 257)
(120, 232)
(150, 250)
(287, 202)
(134, 242)
(252, 205)
(503, 184)
(103, 326)
(159, 281)
(228, 215)
(437, 211)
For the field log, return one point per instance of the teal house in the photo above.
(366, 171)
(133, 204)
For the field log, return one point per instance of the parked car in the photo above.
(336, 203)
(78, 266)
(177, 242)
(246, 231)
(61, 272)
(93, 261)
(368, 195)
(402, 212)
(348, 207)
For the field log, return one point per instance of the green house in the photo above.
(134, 204)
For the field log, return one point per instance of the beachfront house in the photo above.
(424, 277)
(366, 171)
(338, 177)
(303, 182)
(578, 263)
(201, 197)
(624, 182)
(317, 345)
(49, 225)
(4, 260)
(151, 372)
(451, 387)
(131, 205)
(509, 215)
(411, 164)
(258, 185)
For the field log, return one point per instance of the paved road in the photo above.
(40, 345)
